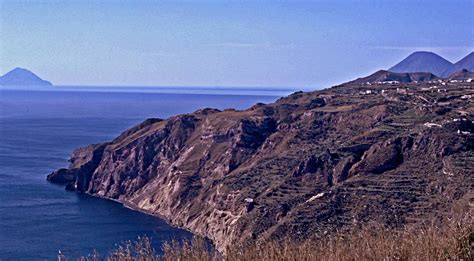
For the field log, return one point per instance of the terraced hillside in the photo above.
(308, 164)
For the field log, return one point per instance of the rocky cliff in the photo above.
(307, 164)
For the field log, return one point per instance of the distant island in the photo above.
(22, 77)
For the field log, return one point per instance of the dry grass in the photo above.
(370, 244)
(452, 241)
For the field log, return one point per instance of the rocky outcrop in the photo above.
(83, 163)
(381, 157)
(307, 164)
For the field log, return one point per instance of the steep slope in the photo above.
(303, 166)
(386, 76)
(22, 77)
(423, 62)
(465, 63)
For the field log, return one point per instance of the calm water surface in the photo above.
(38, 131)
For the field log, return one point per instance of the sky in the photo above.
(303, 44)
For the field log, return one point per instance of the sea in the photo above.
(39, 128)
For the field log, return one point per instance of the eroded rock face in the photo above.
(308, 163)
(83, 163)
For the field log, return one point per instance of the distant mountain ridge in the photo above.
(423, 61)
(22, 77)
(387, 76)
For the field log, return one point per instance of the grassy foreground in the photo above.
(452, 241)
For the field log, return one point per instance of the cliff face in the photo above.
(306, 164)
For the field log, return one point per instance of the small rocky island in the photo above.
(391, 148)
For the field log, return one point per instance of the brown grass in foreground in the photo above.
(453, 241)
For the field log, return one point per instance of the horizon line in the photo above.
(184, 86)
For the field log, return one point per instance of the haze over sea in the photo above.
(39, 128)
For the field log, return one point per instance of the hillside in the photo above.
(308, 164)
(466, 63)
(22, 77)
(462, 75)
(423, 62)
(386, 76)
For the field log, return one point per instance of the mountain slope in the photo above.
(386, 76)
(465, 63)
(22, 77)
(423, 62)
(306, 165)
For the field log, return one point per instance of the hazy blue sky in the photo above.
(225, 43)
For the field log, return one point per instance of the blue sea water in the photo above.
(38, 131)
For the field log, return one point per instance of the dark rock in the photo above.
(62, 176)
